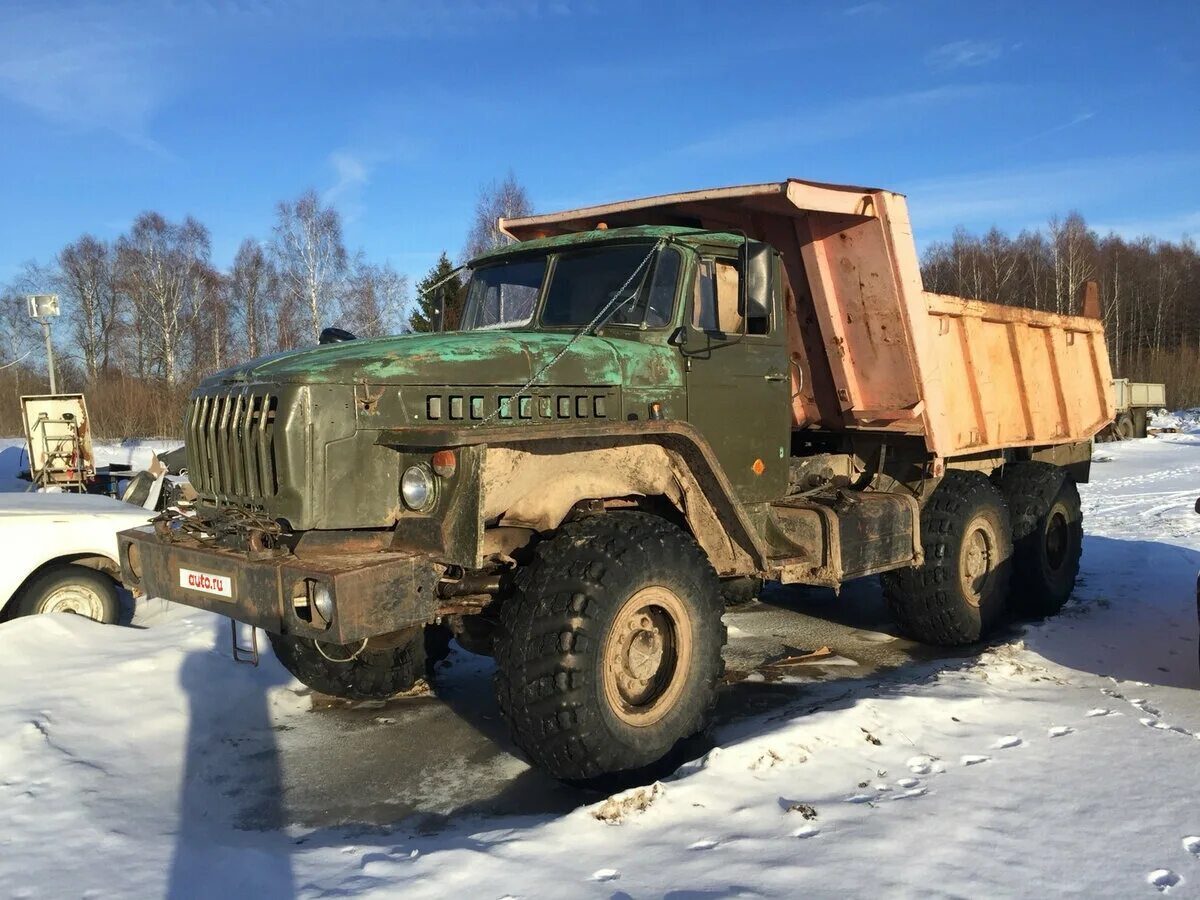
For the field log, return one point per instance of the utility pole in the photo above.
(41, 308)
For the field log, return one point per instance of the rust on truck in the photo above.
(884, 354)
(650, 406)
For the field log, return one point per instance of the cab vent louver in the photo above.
(478, 407)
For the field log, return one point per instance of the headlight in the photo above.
(416, 487)
(322, 601)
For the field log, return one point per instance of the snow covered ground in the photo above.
(1062, 763)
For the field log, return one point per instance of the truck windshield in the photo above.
(582, 283)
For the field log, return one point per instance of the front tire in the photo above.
(71, 589)
(363, 672)
(1047, 528)
(960, 591)
(609, 649)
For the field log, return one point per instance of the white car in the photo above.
(60, 553)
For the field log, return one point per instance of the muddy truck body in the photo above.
(653, 405)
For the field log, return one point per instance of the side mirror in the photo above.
(755, 284)
(335, 336)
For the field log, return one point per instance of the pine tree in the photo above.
(449, 296)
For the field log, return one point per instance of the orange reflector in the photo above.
(758, 468)
(444, 463)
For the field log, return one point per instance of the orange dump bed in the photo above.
(872, 349)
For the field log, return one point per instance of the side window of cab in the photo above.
(716, 304)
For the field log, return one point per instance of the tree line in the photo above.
(148, 314)
(1149, 290)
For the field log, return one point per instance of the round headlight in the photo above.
(416, 487)
(322, 600)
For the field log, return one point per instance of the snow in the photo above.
(1061, 762)
(1184, 420)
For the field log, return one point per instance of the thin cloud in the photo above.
(1030, 195)
(832, 123)
(1181, 225)
(1062, 126)
(964, 54)
(870, 8)
(81, 70)
(351, 174)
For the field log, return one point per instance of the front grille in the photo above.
(233, 436)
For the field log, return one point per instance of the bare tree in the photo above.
(1073, 246)
(504, 199)
(374, 300)
(311, 257)
(249, 288)
(87, 280)
(166, 272)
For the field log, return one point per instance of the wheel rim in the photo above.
(1058, 540)
(647, 655)
(978, 560)
(78, 599)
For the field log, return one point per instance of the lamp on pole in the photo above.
(41, 308)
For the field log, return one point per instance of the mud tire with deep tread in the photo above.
(1047, 528)
(554, 630)
(375, 674)
(929, 601)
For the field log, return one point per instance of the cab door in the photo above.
(738, 385)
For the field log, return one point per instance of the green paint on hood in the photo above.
(467, 358)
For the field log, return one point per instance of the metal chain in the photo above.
(610, 306)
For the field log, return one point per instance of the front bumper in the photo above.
(372, 593)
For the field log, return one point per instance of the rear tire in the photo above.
(71, 589)
(374, 673)
(959, 592)
(1123, 428)
(608, 652)
(1047, 529)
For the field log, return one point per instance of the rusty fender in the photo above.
(533, 476)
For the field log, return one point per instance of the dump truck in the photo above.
(1133, 402)
(651, 405)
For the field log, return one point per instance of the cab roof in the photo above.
(598, 235)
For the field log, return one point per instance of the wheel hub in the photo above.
(1057, 539)
(978, 560)
(646, 656)
(74, 598)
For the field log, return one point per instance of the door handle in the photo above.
(775, 375)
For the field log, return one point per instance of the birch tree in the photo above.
(86, 278)
(373, 304)
(311, 257)
(503, 199)
(249, 287)
(165, 272)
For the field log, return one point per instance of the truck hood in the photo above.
(480, 357)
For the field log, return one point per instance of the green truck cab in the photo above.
(575, 480)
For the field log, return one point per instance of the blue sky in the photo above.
(982, 112)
